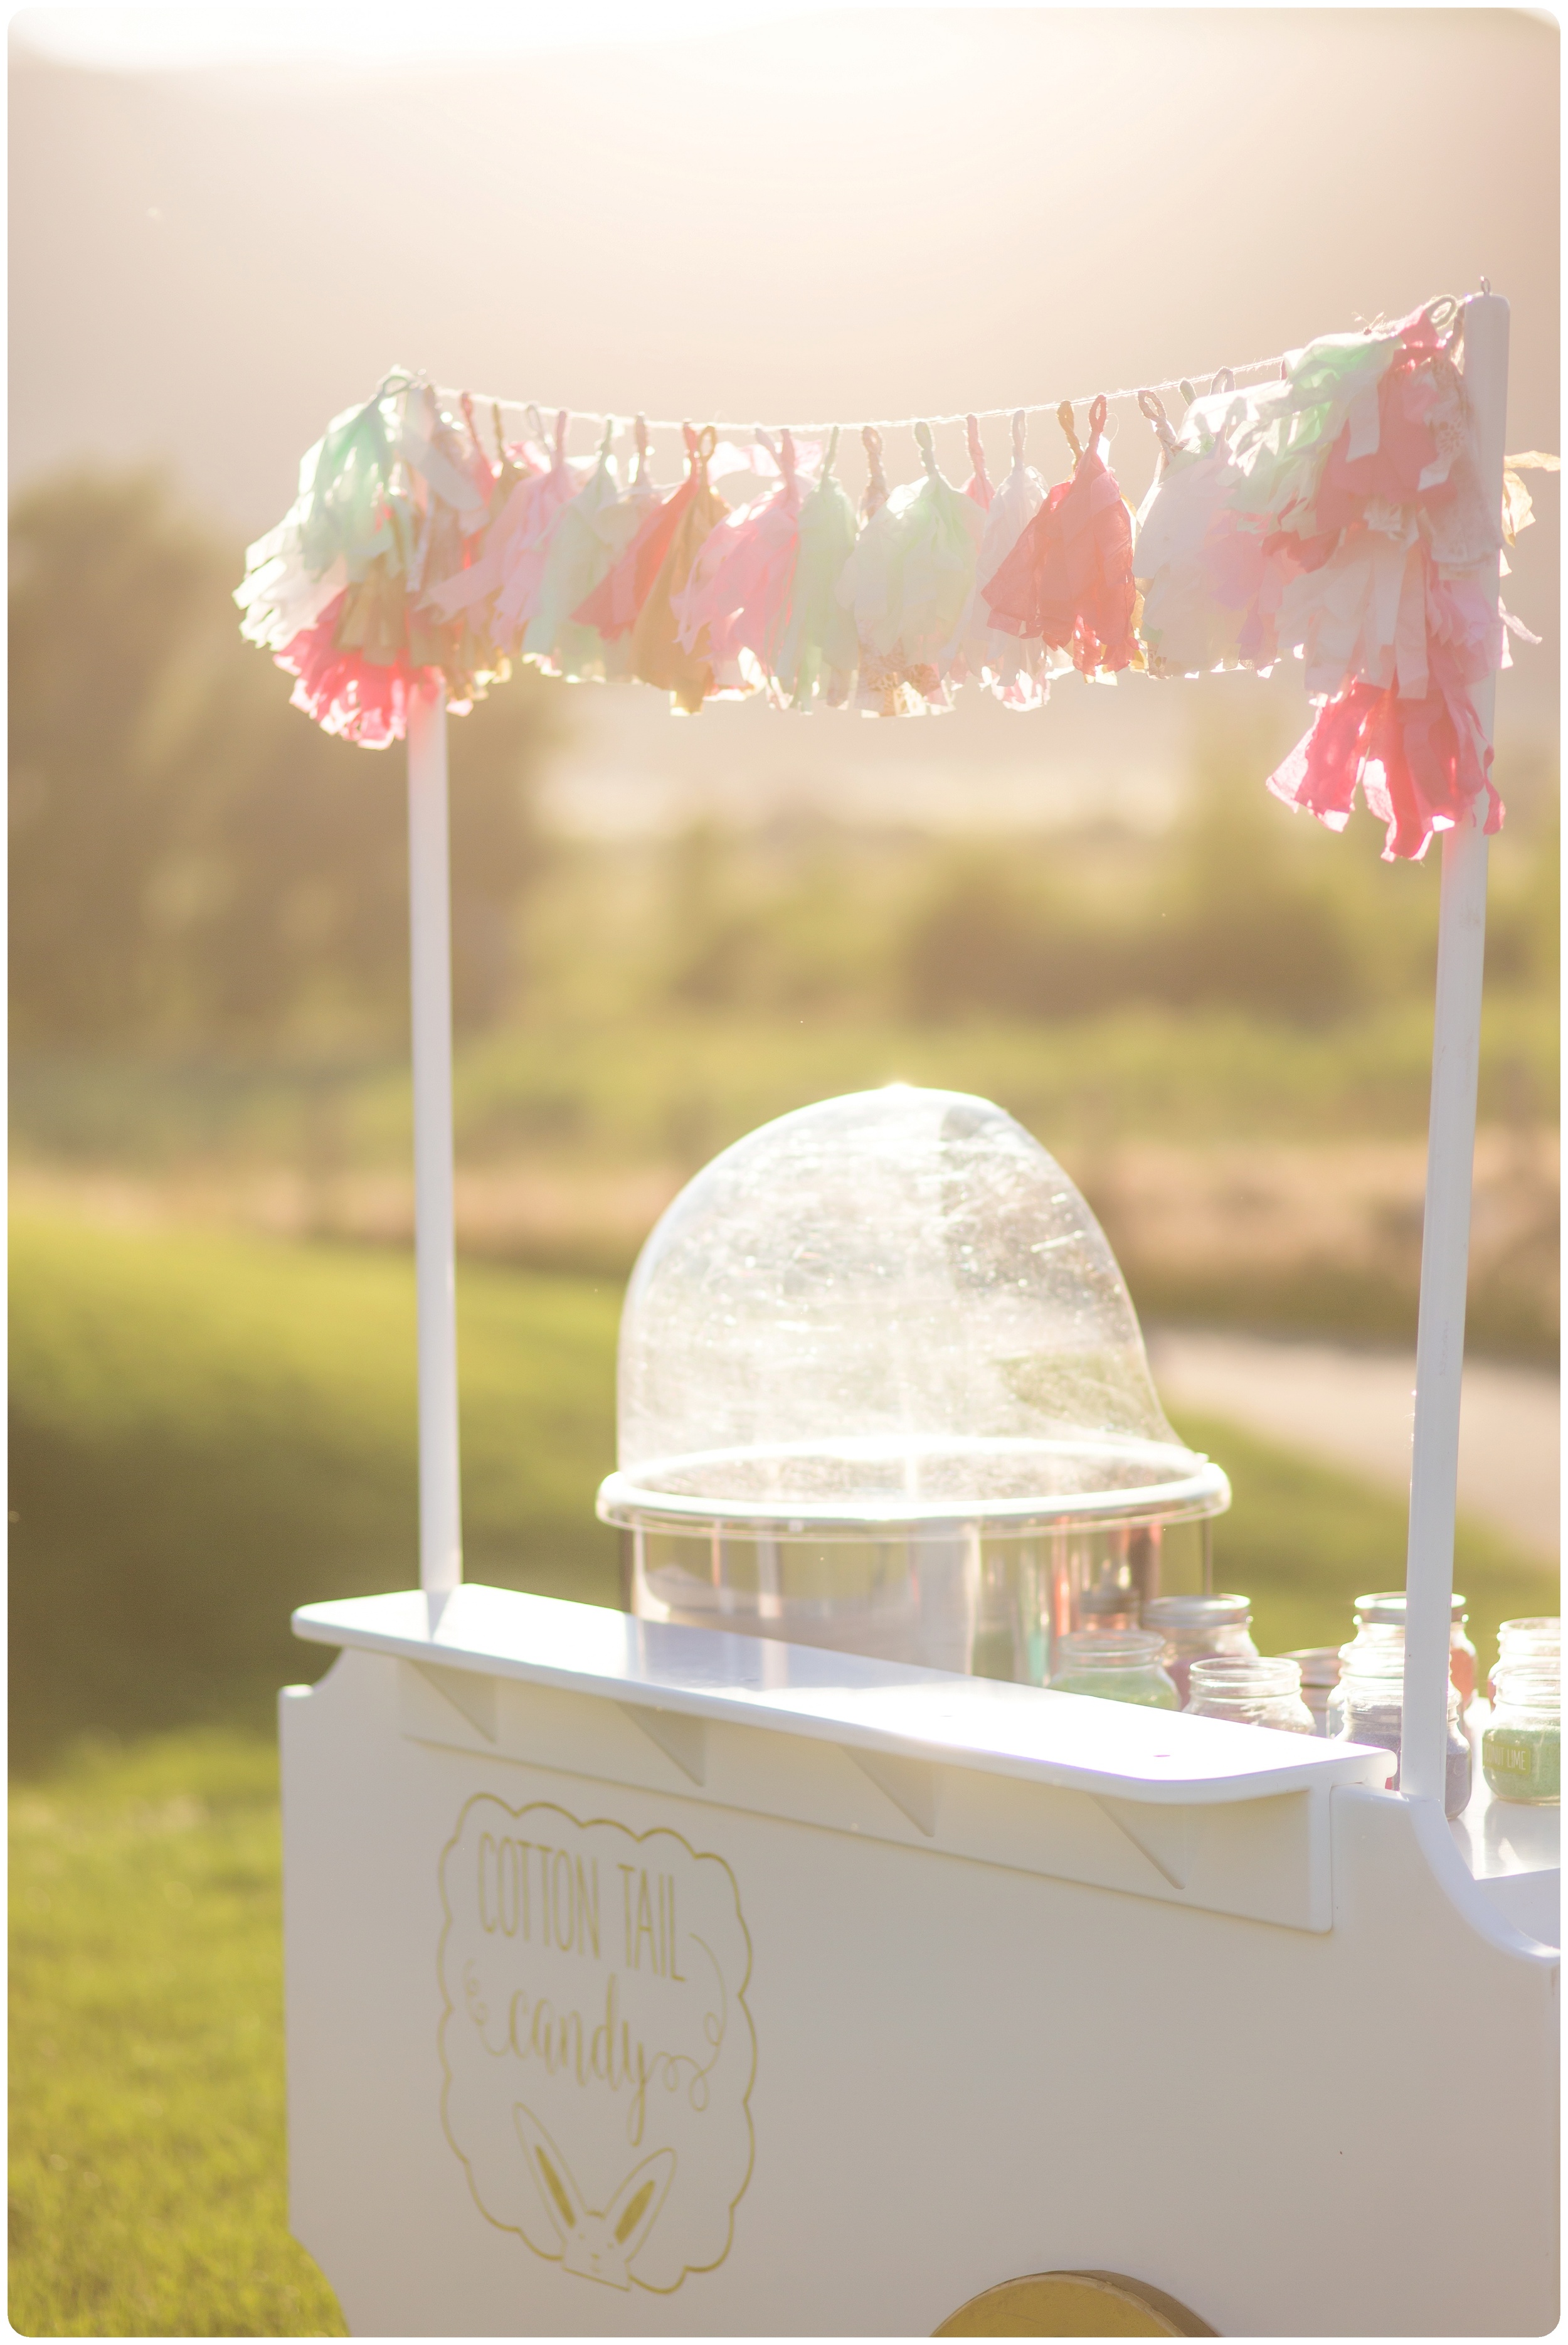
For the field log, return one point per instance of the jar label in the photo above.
(1522, 1760)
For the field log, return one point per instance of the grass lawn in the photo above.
(206, 1429)
(147, 2173)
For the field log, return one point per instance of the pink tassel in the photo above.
(359, 699)
(738, 598)
(1068, 581)
(1419, 765)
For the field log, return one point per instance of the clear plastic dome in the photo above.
(887, 1323)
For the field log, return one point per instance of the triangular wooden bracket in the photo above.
(1162, 1835)
(909, 1783)
(472, 1695)
(685, 1740)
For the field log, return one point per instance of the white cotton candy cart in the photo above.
(972, 1983)
(645, 1978)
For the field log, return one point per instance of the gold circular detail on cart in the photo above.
(1074, 2304)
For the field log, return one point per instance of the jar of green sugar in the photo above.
(1115, 1665)
(1522, 1748)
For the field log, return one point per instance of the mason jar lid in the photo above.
(1187, 1612)
(1388, 1610)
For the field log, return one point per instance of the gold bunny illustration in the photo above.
(597, 2246)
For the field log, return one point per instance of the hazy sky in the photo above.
(226, 225)
(872, 212)
(137, 38)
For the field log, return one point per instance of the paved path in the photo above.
(1354, 1408)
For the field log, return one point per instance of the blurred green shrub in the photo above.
(1238, 909)
(189, 858)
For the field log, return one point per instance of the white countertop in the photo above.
(1066, 1739)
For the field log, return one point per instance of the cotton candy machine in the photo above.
(882, 1388)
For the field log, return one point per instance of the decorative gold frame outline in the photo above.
(698, 1856)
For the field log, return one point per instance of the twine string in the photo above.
(881, 423)
(1443, 310)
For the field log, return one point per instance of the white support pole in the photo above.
(429, 941)
(1451, 1148)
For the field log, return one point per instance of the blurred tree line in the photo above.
(191, 859)
(193, 863)
(1241, 908)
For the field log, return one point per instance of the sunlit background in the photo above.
(227, 225)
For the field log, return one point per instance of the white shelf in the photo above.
(1501, 1839)
(1065, 1740)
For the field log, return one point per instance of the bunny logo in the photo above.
(596, 2246)
(595, 2020)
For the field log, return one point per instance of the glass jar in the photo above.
(1251, 1692)
(1199, 1628)
(1117, 1664)
(1525, 1640)
(1387, 1611)
(1521, 1750)
(1319, 1667)
(1369, 1705)
(1369, 1639)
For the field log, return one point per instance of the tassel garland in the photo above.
(1334, 513)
